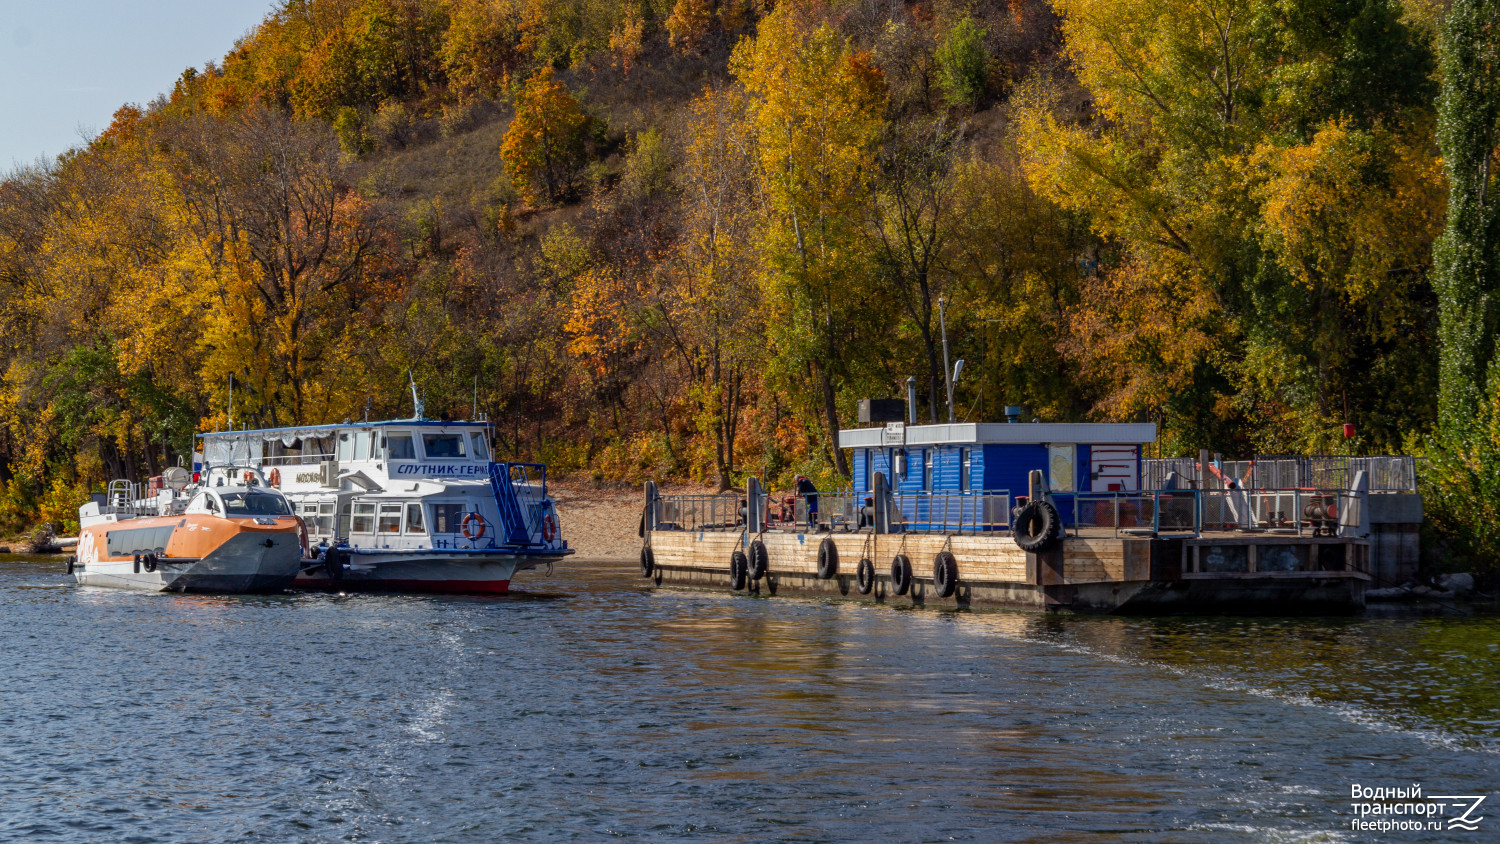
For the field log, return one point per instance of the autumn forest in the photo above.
(681, 238)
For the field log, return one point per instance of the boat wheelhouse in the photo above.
(402, 504)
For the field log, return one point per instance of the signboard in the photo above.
(894, 434)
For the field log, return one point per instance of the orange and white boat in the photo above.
(184, 537)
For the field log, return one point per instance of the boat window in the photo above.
(346, 448)
(364, 518)
(390, 518)
(325, 518)
(253, 503)
(362, 441)
(400, 447)
(414, 522)
(480, 450)
(446, 517)
(440, 446)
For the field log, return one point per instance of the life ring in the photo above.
(900, 574)
(944, 574)
(648, 561)
(249, 478)
(864, 576)
(549, 528)
(739, 567)
(828, 559)
(276, 478)
(760, 561)
(468, 526)
(1036, 527)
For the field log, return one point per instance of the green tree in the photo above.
(1467, 272)
(963, 64)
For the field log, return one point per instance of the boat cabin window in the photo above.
(443, 446)
(414, 522)
(364, 518)
(390, 518)
(253, 503)
(446, 518)
(325, 518)
(400, 447)
(355, 446)
(480, 450)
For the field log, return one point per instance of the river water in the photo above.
(586, 706)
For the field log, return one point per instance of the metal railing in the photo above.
(1146, 513)
(1385, 473)
(699, 512)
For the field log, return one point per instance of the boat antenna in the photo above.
(475, 412)
(416, 401)
(231, 401)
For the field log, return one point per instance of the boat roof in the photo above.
(300, 430)
(998, 433)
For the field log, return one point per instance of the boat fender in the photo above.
(828, 559)
(549, 528)
(738, 570)
(900, 574)
(72, 561)
(760, 561)
(137, 563)
(648, 561)
(148, 562)
(333, 564)
(1037, 526)
(864, 576)
(945, 574)
(276, 478)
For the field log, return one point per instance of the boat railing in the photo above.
(1131, 513)
(724, 512)
(969, 511)
(1384, 473)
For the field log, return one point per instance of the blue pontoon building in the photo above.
(931, 463)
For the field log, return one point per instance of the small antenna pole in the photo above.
(231, 401)
(474, 414)
(416, 401)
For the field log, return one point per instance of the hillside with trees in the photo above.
(681, 238)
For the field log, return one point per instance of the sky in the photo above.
(67, 65)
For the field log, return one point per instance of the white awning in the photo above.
(1018, 433)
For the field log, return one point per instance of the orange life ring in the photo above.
(468, 526)
(249, 477)
(549, 528)
(276, 478)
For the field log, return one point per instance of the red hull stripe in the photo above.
(447, 587)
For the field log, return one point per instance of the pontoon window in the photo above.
(964, 470)
(414, 522)
(364, 518)
(443, 446)
(400, 447)
(446, 518)
(480, 450)
(390, 518)
(254, 503)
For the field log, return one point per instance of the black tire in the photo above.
(828, 559)
(148, 563)
(900, 574)
(648, 561)
(137, 563)
(760, 561)
(72, 561)
(864, 576)
(1037, 526)
(944, 574)
(739, 566)
(333, 564)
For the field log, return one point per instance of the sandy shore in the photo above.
(602, 523)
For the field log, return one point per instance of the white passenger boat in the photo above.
(174, 535)
(411, 505)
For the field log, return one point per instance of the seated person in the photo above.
(809, 492)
